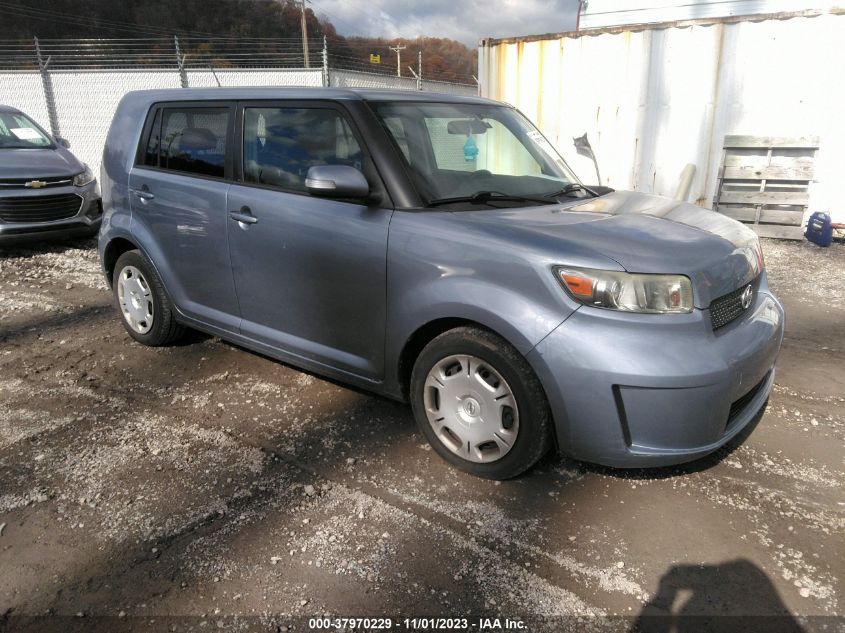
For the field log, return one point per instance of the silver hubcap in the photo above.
(471, 408)
(136, 299)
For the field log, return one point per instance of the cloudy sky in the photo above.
(462, 20)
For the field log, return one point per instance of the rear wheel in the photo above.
(479, 404)
(147, 313)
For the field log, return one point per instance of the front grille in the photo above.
(40, 208)
(25, 183)
(739, 405)
(728, 307)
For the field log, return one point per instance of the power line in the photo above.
(334, 17)
(159, 53)
(189, 38)
(365, 8)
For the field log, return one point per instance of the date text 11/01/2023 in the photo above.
(418, 624)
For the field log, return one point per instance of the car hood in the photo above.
(645, 234)
(38, 163)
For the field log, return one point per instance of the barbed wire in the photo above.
(193, 52)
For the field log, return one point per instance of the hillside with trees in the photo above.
(441, 57)
(241, 20)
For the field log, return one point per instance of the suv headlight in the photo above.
(82, 179)
(656, 294)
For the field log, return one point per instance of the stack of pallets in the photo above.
(764, 181)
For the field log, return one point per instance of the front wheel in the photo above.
(147, 313)
(479, 404)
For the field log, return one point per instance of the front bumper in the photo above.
(85, 222)
(634, 391)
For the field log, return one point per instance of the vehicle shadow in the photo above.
(740, 592)
(29, 246)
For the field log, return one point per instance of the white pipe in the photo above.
(685, 182)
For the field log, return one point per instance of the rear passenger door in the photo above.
(309, 271)
(178, 191)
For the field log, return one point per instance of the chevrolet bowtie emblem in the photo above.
(35, 184)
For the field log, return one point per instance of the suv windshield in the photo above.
(18, 131)
(458, 150)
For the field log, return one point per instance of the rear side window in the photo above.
(280, 144)
(190, 140)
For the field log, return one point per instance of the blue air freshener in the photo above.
(470, 149)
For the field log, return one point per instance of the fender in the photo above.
(440, 267)
(509, 314)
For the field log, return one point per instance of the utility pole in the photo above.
(398, 48)
(305, 37)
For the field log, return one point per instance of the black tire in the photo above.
(164, 329)
(534, 437)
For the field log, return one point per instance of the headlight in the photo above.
(658, 294)
(80, 180)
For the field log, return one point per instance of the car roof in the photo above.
(5, 108)
(280, 92)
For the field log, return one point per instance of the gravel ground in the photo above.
(204, 487)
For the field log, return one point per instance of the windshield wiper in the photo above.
(570, 188)
(485, 197)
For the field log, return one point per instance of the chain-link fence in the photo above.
(72, 87)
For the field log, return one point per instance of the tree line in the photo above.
(238, 19)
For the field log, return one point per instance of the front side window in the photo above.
(397, 131)
(280, 144)
(18, 131)
(457, 149)
(191, 140)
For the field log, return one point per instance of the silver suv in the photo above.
(45, 191)
(437, 249)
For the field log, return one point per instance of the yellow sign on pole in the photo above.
(375, 59)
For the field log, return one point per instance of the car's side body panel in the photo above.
(119, 155)
(310, 276)
(184, 231)
(439, 270)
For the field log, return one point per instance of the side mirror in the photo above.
(336, 181)
(63, 142)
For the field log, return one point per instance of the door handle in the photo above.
(244, 215)
(143, 194)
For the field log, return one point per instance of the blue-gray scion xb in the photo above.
(437, 249)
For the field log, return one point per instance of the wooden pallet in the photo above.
(764, 182)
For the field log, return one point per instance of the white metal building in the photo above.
(656, 97)
(605, 13)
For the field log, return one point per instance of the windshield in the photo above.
(18, 131)
(457, 150)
